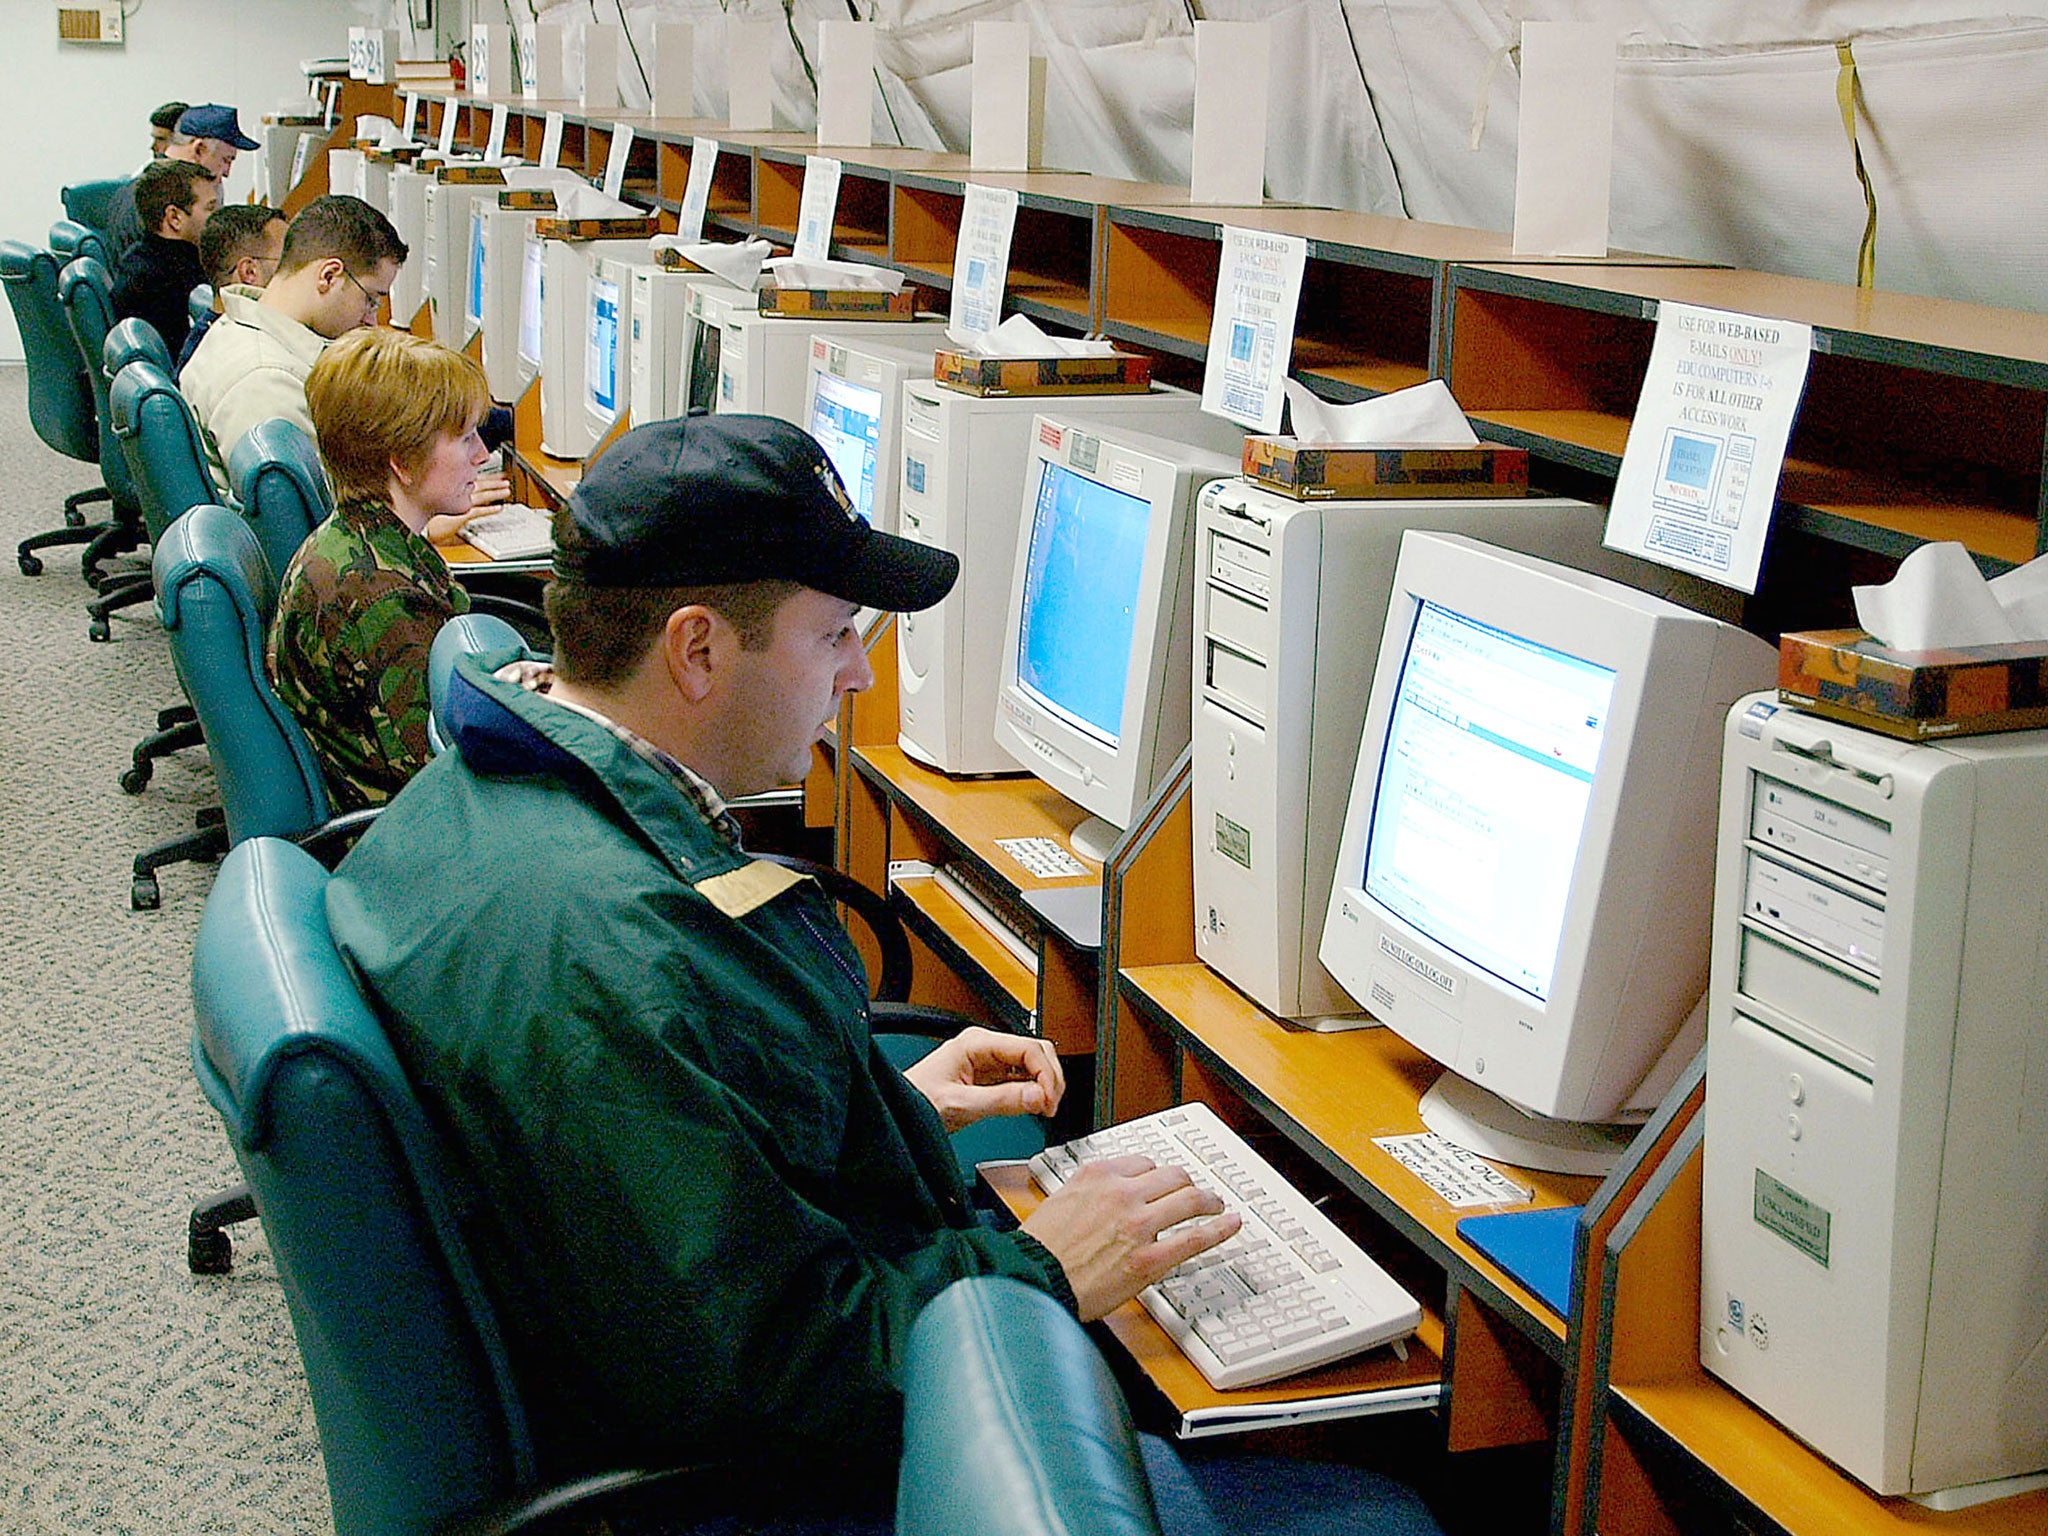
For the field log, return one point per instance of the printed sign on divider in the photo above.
(697, 190)
(817, 209)
(500, 116)
(981, 260)
(551, 142)
(449, 113)
(1699, 477)
(615, 163)
(1251, 334)
(412, 115)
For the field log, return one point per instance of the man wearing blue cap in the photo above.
(708, 1208)
(209, 135)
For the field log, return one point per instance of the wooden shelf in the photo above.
(1921, 419)
(973, 813)
(973, 945)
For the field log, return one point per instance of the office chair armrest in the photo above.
(331, 839)
(873, 909)
(531, 623)
(899, 1018)
(534, 1511)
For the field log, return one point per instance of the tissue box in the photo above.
(1325, 472)
(841, 303)
(597, 229)
(471, 176)
(675, 261)
(1918, 695)
(528, 199)
(1121, 373)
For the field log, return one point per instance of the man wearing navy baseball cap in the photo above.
(710, 1209)
(208, 136)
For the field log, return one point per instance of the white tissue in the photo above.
(739, 263)
(581, 201)
(1939, 600)
(788, 272)
(381, 130)
(1018, 337)
(1421, 416)
(2023, 594)
(531, 176)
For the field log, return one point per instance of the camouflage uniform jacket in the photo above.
(356, 613)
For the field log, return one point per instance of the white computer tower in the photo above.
(408, 215)
(1875, 1199)
(962, 483)
(764, 361)
(1290, 601)
(376, 180)
(660, 333)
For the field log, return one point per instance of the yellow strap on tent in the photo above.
(1846, 92)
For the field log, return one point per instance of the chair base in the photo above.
(113, 597)
(176, 729)
(71, 533)
(203, 845)
(208, 1248)
(73, 518)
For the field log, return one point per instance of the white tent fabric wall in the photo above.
(1728, 140)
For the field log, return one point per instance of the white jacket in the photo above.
(250, 366)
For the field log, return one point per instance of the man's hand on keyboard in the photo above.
(1107, 1225)
(979, 1074)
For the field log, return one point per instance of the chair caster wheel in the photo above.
(30, 565)
(144, 895)
(73, 518)
(100, 630)
(135, 780)
(209, 1253)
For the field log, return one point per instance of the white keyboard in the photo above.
(512, 532)
(1287, 1293)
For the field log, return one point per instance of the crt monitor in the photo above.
(855, 410)
(604, 370)
(532, 295)
(1097, 649)
(473, 281)
(1524, 885)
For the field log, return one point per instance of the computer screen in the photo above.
(846, 419)
(602, 375)
(1084, 563)
(532, 295)
(1523, 887)
(1097, 650)
(473, 290)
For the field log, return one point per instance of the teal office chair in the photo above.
(276, 471)
(60, 398)
(70, 239)
(215, 596)
(1012, 1424)
(131, 341)
(90, 202)
(87, 296)
(422, 1425)
(199, 303)
(167, 460)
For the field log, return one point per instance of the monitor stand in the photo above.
(1468, 1116)
(1095, 839)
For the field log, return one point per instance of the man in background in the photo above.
(241, 247)
(209, 135)
(339, 260)
(155, 279)
(163, 122)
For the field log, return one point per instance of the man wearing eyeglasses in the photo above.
(339, 260)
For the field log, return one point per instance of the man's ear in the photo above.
(693, 643)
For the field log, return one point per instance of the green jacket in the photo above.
(357, 611)
(712, 1211)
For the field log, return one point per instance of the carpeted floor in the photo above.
(134, 1397)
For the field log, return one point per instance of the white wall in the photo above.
(84, 110)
